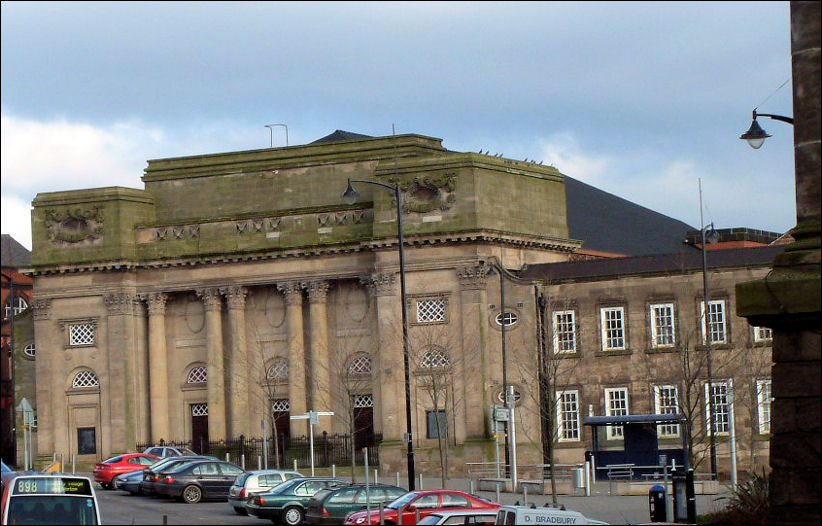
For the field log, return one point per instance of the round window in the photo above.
(29, 350)
(508, 318)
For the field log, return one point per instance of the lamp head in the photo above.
(350, 195)
(755, 134)
(711, 235)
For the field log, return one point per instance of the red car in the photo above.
(108, 469)
(423, 502)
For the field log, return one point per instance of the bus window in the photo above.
(38, 499)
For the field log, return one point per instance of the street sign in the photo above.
(500, 413)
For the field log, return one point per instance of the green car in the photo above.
(287, 502)
(330, 506)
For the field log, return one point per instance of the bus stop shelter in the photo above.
(637, 454)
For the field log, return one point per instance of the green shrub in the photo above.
(748, 504)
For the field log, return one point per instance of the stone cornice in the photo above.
(485, 237)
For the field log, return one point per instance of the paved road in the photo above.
(119, 507)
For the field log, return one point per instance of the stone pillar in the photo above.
(296, 354)
(51, 377)
(390, 371)
(123, 351)
(237, 366)
(318, 340)
(158, 367)
(788, 301)
(216, 369)
(476, 394)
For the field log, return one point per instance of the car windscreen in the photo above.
(402, 501)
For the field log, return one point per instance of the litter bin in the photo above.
(656, 504)
(578, 478)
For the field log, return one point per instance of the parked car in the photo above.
(425, 502)
(192, 482)
(331, 505)
(255, 482)
(168, 451)
(515, 514)
(108, 469)
(287, 502)
(460, 517)
(129, 482)
(152, 474)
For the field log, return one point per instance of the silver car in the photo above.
(168, 451)
(254, 482)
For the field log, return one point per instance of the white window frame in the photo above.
(762, 334)
(764, 397)
(721, 322)
(82, 334)
(432, 310)
(611, 334)
(565, 331)
(616, 404)
(15, 305)
(657, 323)
(568, 404)
(511, 318)
(666, 402)
(723, 406)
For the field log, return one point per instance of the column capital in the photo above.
(293, 292)
(156, 302)
(474, 277)
(235, 296)
(211, 297)
(121, 302)
(42, 308)
(317, 290)
(380, 283)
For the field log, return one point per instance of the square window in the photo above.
(763, 334)
(431, 311)
(81, 334)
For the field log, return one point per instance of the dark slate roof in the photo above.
(13, 254)
(688, 258)
(341, 135)
(607, 223)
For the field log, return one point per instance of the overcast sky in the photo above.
(638, 99)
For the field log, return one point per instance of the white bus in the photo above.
(44, 498)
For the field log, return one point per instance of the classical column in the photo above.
(216, 372)
(158, 367)
(474, 299)
(296, 354)
(389, 357)
(237, 366)
(318, 340)
(123, 350)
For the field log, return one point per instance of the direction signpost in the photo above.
(313, 419)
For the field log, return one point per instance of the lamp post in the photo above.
(349, 197)
(706, 310)
(755, 134)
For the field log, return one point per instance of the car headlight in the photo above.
(360, 520)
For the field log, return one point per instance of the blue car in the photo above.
(129, 482)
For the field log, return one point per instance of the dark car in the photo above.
(330, 506)
(257, 481)
(192, 482)
(152, 474)
(287, 502)
(129, 482)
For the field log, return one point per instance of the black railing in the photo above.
(328, 449)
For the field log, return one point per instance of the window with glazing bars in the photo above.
(616, 404)
(716, 321)
(430, 311)
(565, 335)
(762, 334)
(722, 406)
(662, 325)
(567, 415)
(613, 328)
(763, 404)
(81, 334)
(666, 403)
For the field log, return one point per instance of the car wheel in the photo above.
(292, 516)
(192, 494)
(240, 511)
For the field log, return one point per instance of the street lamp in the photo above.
(349, 197)
(271, 133)
(755, 134)
(709, 237)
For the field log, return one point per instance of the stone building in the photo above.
(239, 285)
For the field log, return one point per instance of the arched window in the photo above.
(360, 365)
(17, 305)
(277, 371)
(85, 378)
(434, 358)
(197, 375)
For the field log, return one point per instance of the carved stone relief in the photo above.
(74, 226)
